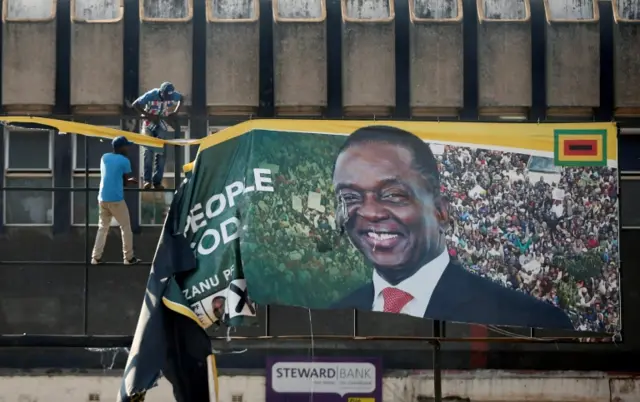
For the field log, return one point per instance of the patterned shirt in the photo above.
(154, 105)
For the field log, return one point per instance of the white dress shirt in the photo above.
(420, 285)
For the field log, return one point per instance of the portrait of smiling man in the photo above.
(387, 186)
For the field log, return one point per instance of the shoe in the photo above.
(158, 186)
(147, 185)
(96, 261)
(132, 261)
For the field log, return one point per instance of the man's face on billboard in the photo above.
(392, 218)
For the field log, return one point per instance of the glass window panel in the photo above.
(28, 207)
(192, 150)
(629, 192)
(629, 153)
(154, 204)
(97, 148)
(169, 161)
(170, 154)
(29, 149)
(79, 203)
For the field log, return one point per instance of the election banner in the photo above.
(505, 224)
(325, 379)
(495, 224)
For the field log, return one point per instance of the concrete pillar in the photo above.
(436, 61)
(626, 53)
(300, 56)
(504, 57)
(233, 57)
(29, 56)
(573, 57)
(368, 57)
(97, 46)
(166, 45)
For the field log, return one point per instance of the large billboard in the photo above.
(491, 223)
(502, 224)
(497, 224)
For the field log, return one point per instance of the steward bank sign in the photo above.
(328, 379)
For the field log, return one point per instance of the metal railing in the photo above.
(86, 189)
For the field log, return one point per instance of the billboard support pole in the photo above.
(437, 372)
(437, 360)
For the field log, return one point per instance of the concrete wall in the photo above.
(436, 61)
(172, 9)
(504, 56)
(505, 9)
(166, 39)
(397, 387)
(310, 9)
(234, 9)
(628, 9)
(300, 56)
(29, 9)
(626, 53)
(436, 9)
(29, 34)
(573, 54)
(233, 56)
(97, 33)
(368, 33)
(571, 9)
(367, 9)
(92, 10)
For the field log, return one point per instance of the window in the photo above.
(154, 204)
(628, 151)
(170, 156)
(28, 164)
(193, 149)
(28, 207)
(629, 191)
(28, 150)
(79, 201)
(95, 147)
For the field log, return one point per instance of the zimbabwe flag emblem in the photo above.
(580, 147)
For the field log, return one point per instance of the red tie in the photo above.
(395, 299)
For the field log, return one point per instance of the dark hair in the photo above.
(423, 160)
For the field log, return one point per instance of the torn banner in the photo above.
(448, 221)
(167, 342)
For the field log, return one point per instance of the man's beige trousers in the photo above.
(120, 212)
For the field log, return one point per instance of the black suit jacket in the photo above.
(465, 297)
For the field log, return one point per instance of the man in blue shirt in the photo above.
(115, 173)
(157, 105)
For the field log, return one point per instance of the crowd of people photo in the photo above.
(512, 229)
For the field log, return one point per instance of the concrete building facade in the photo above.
(487, 60)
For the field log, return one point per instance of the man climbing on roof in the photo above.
(159, 107)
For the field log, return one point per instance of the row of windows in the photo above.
(29, 162)
(36, 207)
(29, 156)
(32, 151)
